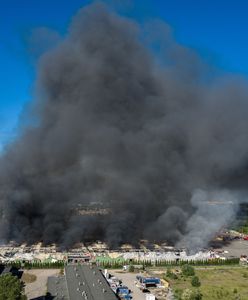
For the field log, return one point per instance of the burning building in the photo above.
(153, 138)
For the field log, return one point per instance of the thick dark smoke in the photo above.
(165, 149)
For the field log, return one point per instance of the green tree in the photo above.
(195, 281)
(188, 270)
(11, 288)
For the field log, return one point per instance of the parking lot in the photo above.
(128, 280)
(236, 248)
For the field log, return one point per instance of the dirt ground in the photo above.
(38, 288)
(28, 278)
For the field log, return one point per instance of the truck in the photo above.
(123, 293)
(150, 297)
(148, 282)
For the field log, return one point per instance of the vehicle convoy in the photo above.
(122, 291)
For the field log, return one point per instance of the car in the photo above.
(145, 290)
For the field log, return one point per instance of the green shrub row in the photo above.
(204, 262)
(115, 264)
(37, 264)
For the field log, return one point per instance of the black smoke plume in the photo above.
(143, 131)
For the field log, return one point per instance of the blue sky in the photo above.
(215, 28)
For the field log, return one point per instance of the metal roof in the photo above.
(56, 287)
(86, 282)
(7, 270)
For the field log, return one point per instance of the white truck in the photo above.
(150, 297)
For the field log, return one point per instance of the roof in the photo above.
(7, 270)
(85, 280)
(56, 287)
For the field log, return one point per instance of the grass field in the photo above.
(227, 283)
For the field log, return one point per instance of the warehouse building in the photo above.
(57, 288)
(75, 258)
(82, 282)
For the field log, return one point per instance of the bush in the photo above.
(191, 295)
(61, 271)
(178, 294)
(186, 295)
(170, 274)
(131, 268)
(197, 295)
(195, 281)
(188, 270)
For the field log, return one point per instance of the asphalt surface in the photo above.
(236, 248)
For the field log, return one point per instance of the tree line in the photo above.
(37, 264)
(115, 263)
